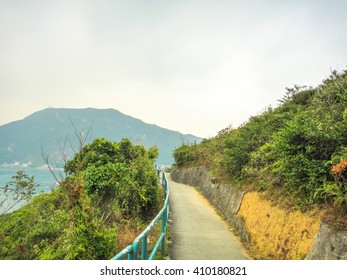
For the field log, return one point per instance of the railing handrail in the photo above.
(132, 250)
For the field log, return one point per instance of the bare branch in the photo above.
(48, 164)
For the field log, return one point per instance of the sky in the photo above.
(190, 66)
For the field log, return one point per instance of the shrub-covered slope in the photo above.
(296, 152)
(109, 186)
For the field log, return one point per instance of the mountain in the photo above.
(22, 141)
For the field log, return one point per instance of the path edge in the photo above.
(225, 198)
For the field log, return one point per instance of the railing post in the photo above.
(163, 231)
(144, 248)
(136, 250)
(131, 255)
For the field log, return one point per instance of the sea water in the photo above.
(42, 176)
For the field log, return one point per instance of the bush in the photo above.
(288, 150)
(120, 174)
(107, 183)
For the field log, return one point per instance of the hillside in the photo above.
(21, 141)
(110, 193)
(295, 154)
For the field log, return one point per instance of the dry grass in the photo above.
(276, 233)
(127, 232)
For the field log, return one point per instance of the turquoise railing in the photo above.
(132, 251)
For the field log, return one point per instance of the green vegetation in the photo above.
(296, 152)
(21, 188)
(110, 187)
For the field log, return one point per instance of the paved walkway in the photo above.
(198, 233)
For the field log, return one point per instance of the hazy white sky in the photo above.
(191, 66)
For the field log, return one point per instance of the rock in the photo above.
(330, 244)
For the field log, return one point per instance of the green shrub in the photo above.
(107, 183)
(289, 149)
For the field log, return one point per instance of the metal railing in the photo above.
(132, 251)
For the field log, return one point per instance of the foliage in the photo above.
(29, 231)
(291, 149)
(107, 183)
(20, 189)
(336, 191)
(184, 155)
(120, 173)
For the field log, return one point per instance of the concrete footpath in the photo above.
(198, 233)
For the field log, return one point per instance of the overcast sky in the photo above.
(191, 66)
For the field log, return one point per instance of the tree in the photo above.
(20, 189)
(291, 92)
(117, 175)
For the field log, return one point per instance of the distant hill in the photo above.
(21, 141)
